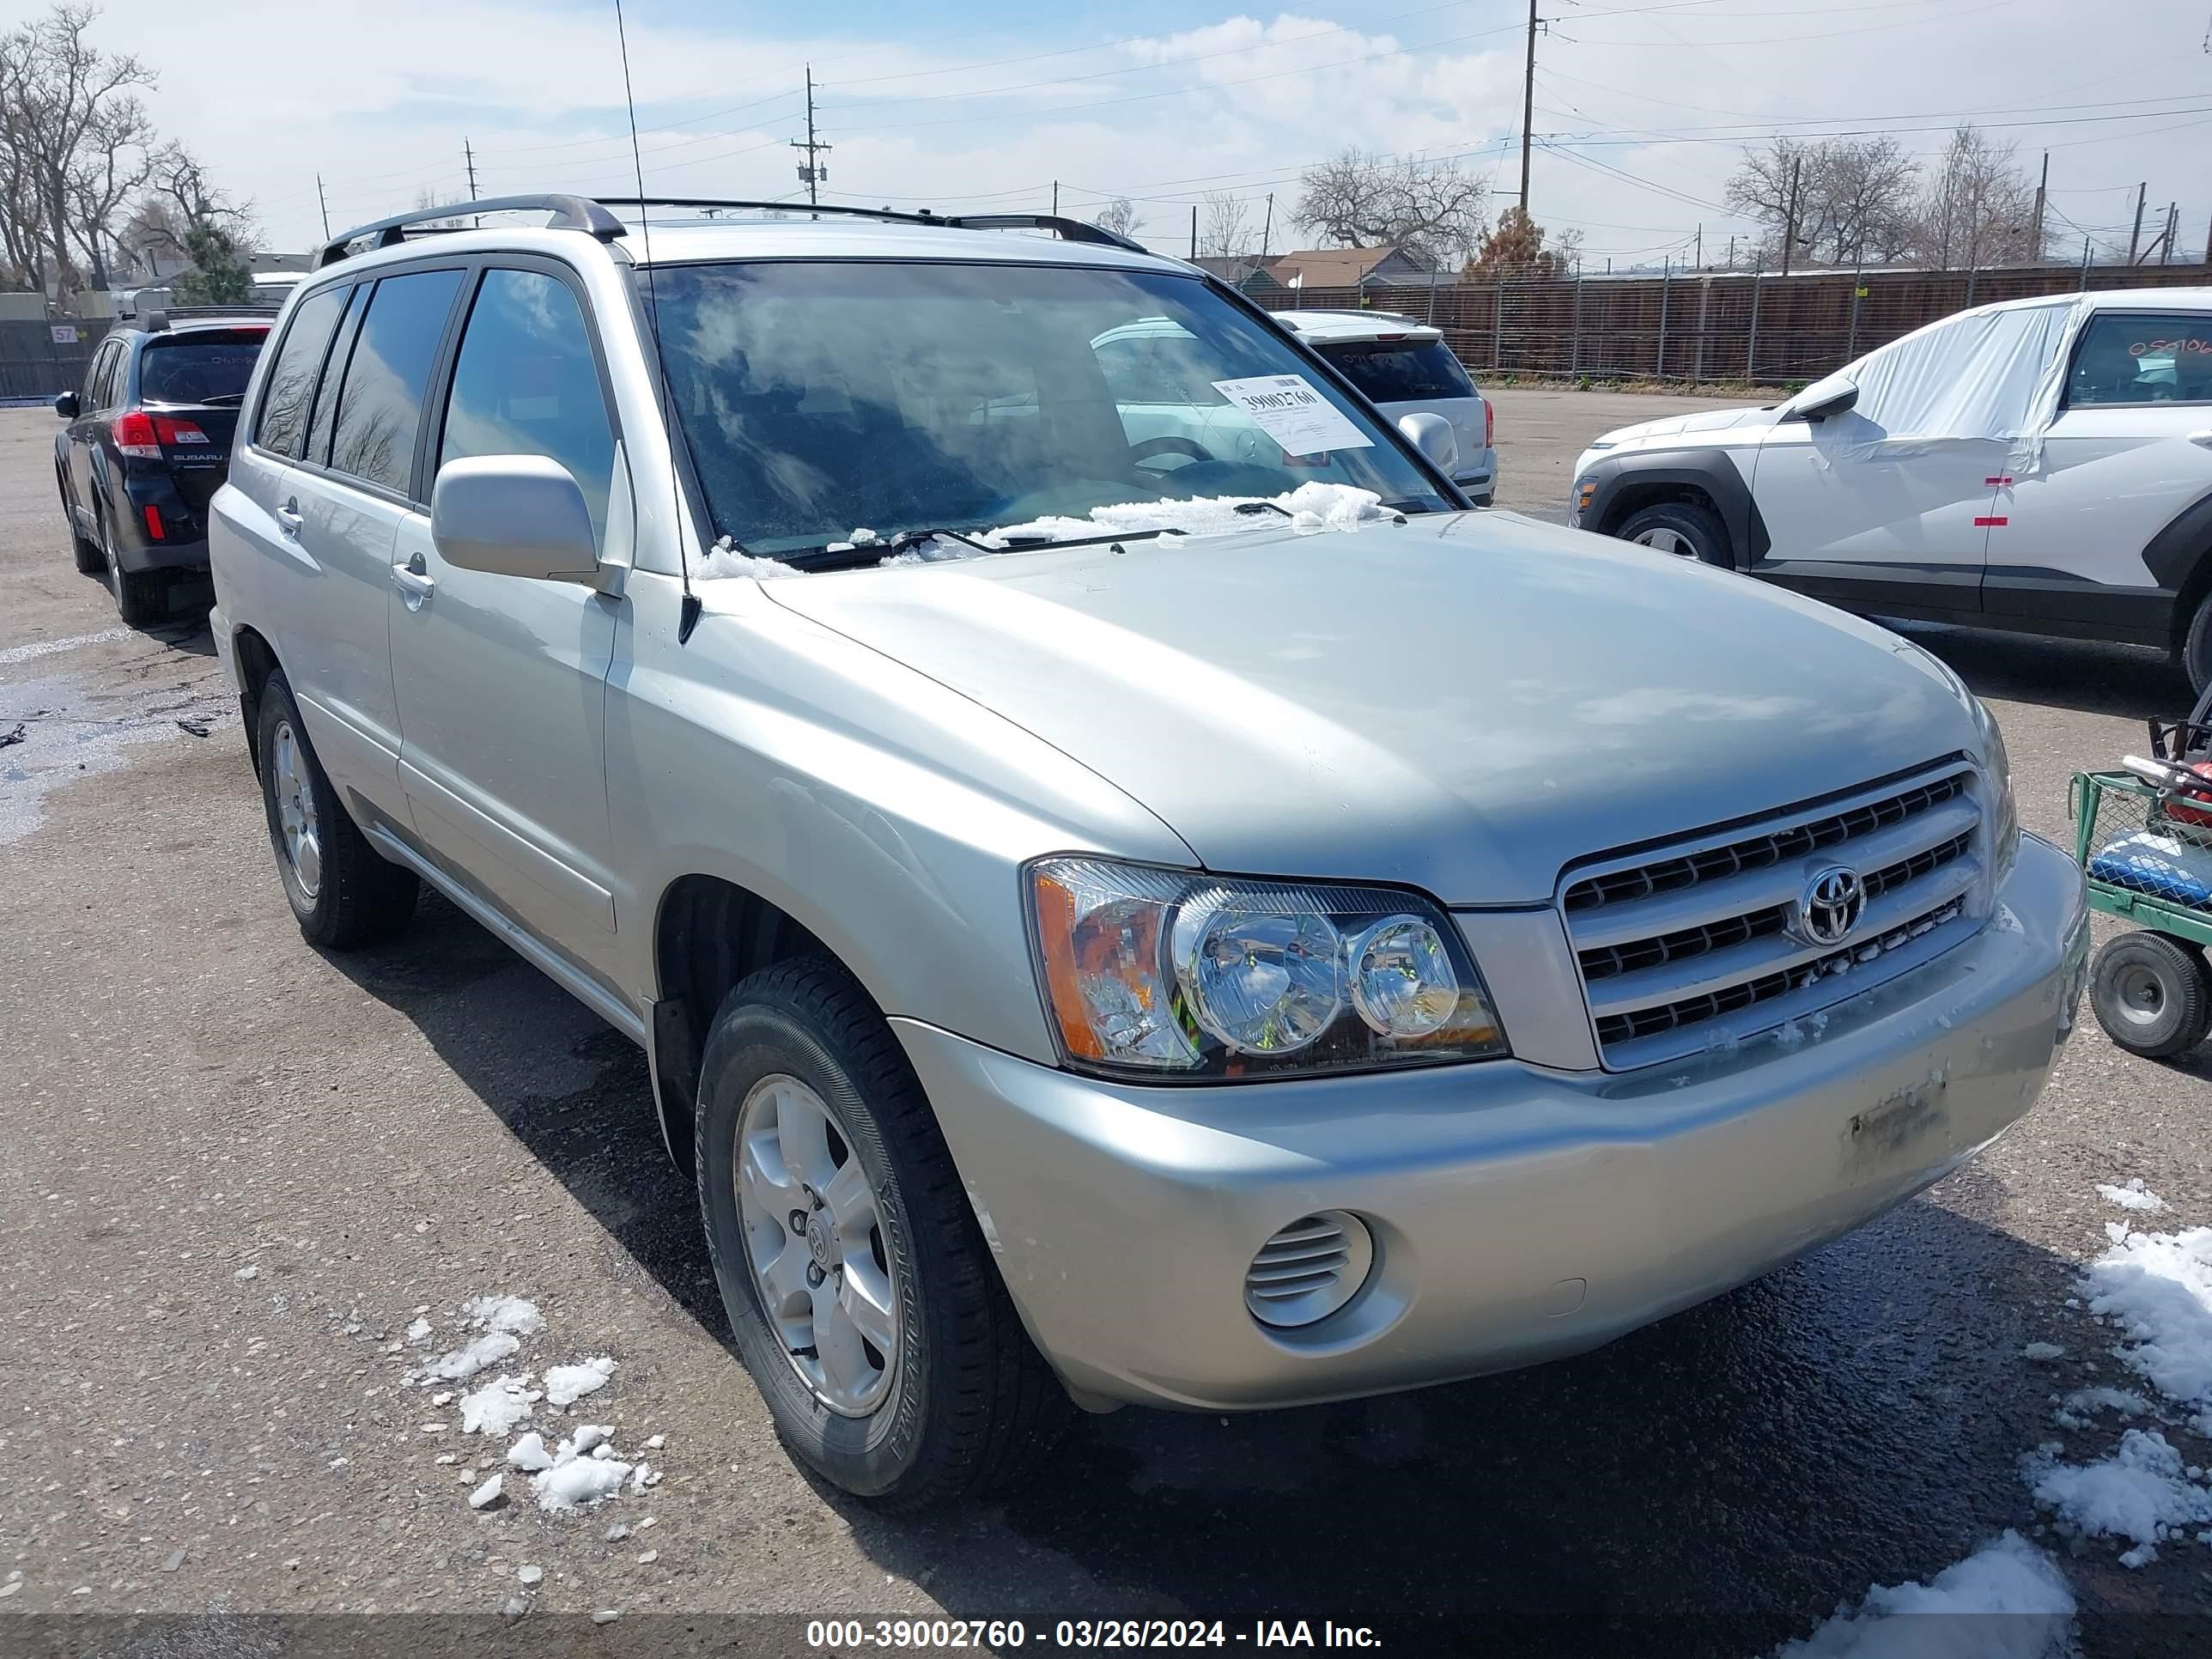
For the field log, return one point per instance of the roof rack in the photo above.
(570, 213)
(1069, 230)
(587, 214)
(159, 321)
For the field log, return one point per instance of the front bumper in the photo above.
(1518, 1213)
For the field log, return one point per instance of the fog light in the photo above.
(1309, 1270)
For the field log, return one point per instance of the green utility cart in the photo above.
(2143, 838)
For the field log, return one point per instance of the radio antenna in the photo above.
(689, 615)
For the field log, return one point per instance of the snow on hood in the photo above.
(1460, 702)
(1310, 507)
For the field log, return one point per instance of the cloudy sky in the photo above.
(1642, 106)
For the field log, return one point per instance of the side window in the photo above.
(2143, 357)
(526, 384)
(326, 395)
(290, 387)
(380, 404)
(95, 377)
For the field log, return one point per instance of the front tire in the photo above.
(2195, 651)
(1682, 528)
(859, 1290)
(342, 893)
(2151, 994)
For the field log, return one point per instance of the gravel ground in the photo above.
(234, 1171)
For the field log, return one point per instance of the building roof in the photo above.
(1331, 267)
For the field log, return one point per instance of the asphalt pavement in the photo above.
(234, 1171)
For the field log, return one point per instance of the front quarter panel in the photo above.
(887, 814)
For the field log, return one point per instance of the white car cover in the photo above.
(1992, 375)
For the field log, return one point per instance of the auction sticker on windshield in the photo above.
(1288, 409)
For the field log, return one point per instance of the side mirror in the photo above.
(513, 515)
(1832, 402)
(66, 405)
(1433, 436)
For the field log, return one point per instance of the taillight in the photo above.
(140, 435)
(1489, 422)
(134, 436)
(154, 523)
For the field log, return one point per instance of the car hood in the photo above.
(1462, 702)
(1704, 420)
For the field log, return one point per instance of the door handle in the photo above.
(289, 519)
(415, 582)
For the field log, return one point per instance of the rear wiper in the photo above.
(223, 400)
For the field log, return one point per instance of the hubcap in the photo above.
(2142, 998)
(296, 823)
(814, 1240)
(1668, 541)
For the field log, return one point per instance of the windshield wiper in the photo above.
(223, 400)
(860, 557)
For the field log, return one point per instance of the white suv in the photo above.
(1108, 925)
(1406, 369)
(2042, 466)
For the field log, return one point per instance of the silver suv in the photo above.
(1111, 920)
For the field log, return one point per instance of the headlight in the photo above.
(2003, 814)
(1171, 973)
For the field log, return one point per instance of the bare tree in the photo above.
(1228, 225)
(1118, 215)
(1433, 210)
(179, 180)
(1845, 202)
(116, 163)
(65, 99)
(1979, 206)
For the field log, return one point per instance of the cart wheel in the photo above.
(2151, 994)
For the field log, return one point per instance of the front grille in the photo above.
(1701, 934)
(1758, 852)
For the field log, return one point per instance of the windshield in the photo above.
(1399, 371)
(819, 399)
(199, 370)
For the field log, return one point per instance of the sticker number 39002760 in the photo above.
(1288, 409)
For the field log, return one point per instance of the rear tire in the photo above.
(90, 560)
(1682, 528)
(931, 1391)
(2151, 994)
(142, 597)
(2196, 653)
(342, 893)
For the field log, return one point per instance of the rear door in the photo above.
(355, 479)
(87, 463)
(501, 680)
(2130, 451)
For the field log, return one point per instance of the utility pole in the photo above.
(1193, 230)
(1789, 217)
(1056, 198)
(2042, 191)
(2208, 247)
(1528, 106)
(1267, 226)
(1731, 263)
(468, 155)
(2135, 235)
(811, 172)
(1701, 247)
(325, 202)
(2173, 229)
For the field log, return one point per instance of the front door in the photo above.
(501, 679)
(2130, 449)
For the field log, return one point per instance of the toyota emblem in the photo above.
(1831, 905)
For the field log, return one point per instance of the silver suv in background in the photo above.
(1107, 925)
(1404, 367)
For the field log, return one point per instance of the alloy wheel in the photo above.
(295, 812)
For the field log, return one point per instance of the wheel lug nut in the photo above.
(799, 1221)
(814, 1274)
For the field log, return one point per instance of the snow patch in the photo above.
(2007, 1576)
(2042, 1351)
(497, 1407)
(486, 1350)
(529, 1453)
(2141, 1493)
(723, 560)
(2157, 1288)
(2133, 1196)
(2083, 1404)
(566, 1384)
(580, 1483)
(487, 1494)
(510, 1314)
